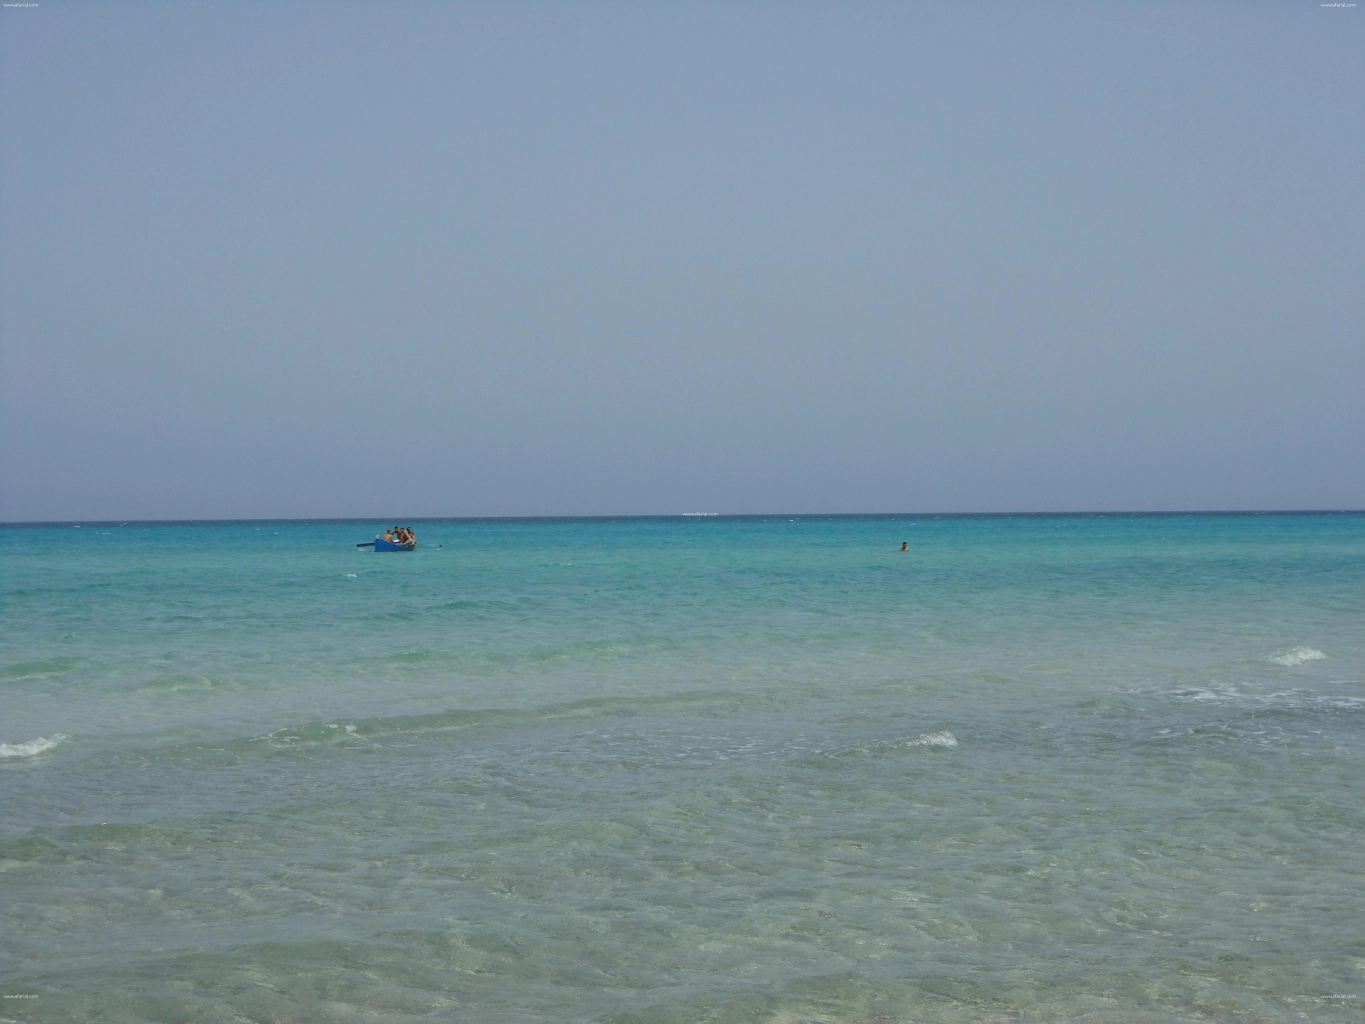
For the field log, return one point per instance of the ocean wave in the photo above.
(708, 703)
(32, 747)
(1297, 656)
(38, 669)
(924, 741)
(943, 740)
(1225, 693)
(313, 733)
(173, 684)
(1282, 700)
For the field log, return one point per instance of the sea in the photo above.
(685, 769)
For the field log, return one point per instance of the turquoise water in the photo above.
(705, 769)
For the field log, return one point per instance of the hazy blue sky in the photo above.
(397, 259)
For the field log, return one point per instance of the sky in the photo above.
(272, 260)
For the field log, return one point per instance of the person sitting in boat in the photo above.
(388, 535)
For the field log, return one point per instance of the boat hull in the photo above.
(380, 544)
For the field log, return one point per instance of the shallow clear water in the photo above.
(1080, 768)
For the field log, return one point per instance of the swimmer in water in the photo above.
(905, 545)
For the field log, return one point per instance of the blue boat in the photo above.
(382, 544)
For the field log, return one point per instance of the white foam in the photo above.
(32, 746)
(1298, 656)
(945, 740)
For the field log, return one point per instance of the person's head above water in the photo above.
(905, 545)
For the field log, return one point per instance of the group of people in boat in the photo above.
(400, 535)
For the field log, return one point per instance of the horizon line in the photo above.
(683, 515)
